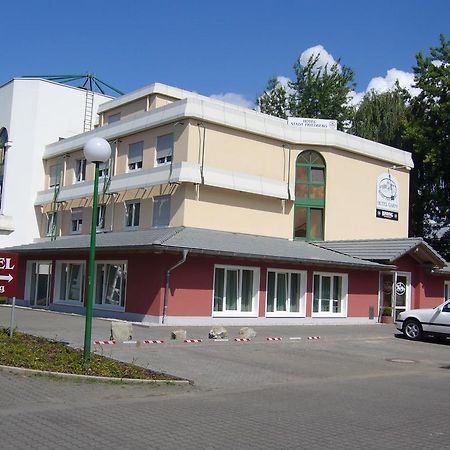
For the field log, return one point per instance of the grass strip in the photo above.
(33, 352)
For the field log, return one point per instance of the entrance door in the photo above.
(40, 283)
(402, 297)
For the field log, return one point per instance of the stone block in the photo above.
(121, 331)
(178, 334)
(247, 333)
(218, 333)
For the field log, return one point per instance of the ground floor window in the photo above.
(110, 284)
(446, 290)
(330, 294)
(235, 291)
(286, 293)
(69, 283)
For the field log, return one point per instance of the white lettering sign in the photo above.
(312, 123)
(388, 193)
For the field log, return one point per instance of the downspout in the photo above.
(202, 158)
(166, 292)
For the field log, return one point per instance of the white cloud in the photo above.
(387, 83)
(325, 58)
(235, 99)
(354, 98)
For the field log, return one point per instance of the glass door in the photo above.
(40, 283)
(401, 297)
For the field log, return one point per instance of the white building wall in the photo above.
(40, 112)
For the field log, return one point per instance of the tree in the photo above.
(382, 117)
(319, 92)
(429, 136)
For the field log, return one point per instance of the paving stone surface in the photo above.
(355, 388)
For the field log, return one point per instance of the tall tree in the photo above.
(429, 135)
(319, 92)
(382, 117)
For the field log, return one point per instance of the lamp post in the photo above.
(96, 150)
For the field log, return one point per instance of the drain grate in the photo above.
(402, 361)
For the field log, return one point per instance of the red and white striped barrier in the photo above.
(154, 341)
(313, 338)
(104, 342)
(242, 339)
(192, 341)
(274, 339)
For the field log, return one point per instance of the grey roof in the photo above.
(382, 250)
(203, 241)
(444, 271)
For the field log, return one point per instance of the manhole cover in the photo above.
(402, 361)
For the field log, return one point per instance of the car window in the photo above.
(446, 307)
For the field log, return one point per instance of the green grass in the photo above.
(32, 352)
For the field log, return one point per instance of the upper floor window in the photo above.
(80, 170)
(309, 196)
(161, 211)
(113, 118)
(164, 149)
(103, 169)
(101, 212)
(132, 213)
(77, 221)
(51, 223)
(55, 175)
(135, 155)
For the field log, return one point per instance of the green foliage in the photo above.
(317, 92)
(31, 352)
(387, 311)
(382, 117)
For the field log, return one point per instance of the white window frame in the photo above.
(76, 219)
(52, 218)
(165, 156)
(344, 295)
(58, 279)
(255, 297)
(101, 216)
(80, 170)
(156, 202)
(135, 162)
(131, 204)
(447, 290)
(54, 175)
(303, 285)
(103, 169)
(104, 305)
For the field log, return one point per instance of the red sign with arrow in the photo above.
(9, 265)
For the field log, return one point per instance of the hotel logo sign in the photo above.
(303, 122)
(387, 197)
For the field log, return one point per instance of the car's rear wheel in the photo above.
(412, 330)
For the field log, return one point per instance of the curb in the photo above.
(74, 376)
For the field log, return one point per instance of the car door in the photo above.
(440, 321)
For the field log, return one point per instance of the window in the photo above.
(309, 196)
(71, 282)
(103, 169)
(113, 118)
(286, 293)
(110, 284)
(77, 221)
(446, 290)
(55, 175)
(161, 211)
(135, 152)
(164, 149)
(132, 214)
(80, 170)
(101, 211)
(51, 223)
(235, 291)
(330, 295)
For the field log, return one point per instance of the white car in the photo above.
(417, 322)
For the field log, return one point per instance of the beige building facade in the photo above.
(181, 159)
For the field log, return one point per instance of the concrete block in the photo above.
(247, 333)
(121, 331)
(218, 333)
(178, 334)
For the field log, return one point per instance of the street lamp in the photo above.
(96, 150)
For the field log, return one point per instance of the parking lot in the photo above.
(355, 387)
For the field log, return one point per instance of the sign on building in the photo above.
(304, 122)
(9, 265)
(388, 191)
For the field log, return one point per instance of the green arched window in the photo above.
(309, 196)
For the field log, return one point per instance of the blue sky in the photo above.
(214, 47)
